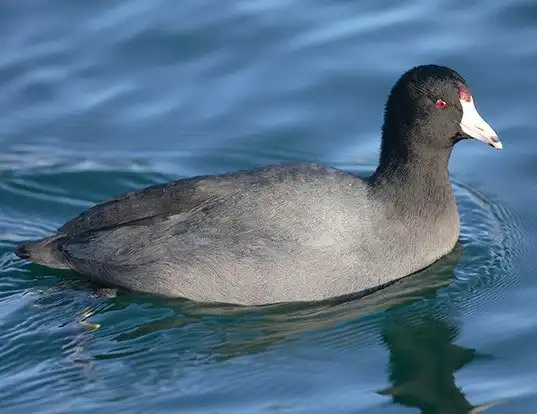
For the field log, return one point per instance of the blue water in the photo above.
(98, 98)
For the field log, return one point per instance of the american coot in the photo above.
(283, 233)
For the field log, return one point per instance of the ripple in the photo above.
(493, 238)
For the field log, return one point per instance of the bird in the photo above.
(289, 232)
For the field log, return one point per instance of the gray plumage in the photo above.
(282, 233)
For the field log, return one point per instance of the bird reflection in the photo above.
(423, 361)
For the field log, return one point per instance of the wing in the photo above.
(156, 201)
(204, 192)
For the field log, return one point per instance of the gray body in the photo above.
(282, 233)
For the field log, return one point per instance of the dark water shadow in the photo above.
(422, 365)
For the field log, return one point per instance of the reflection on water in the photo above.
(423, 362)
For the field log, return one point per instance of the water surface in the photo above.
(98, 98)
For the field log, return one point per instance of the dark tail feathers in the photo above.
(22, 251)
(46, 252)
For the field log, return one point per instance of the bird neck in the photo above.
(410, 174)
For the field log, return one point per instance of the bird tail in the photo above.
(46, 252)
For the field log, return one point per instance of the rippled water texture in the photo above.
(97, 98)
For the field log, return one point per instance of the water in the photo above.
(97, 98)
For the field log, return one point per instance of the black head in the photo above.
(431, 108)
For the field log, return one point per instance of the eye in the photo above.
(441, 104)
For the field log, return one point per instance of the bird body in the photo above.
(283, 233)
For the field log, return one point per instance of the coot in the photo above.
(283, 233)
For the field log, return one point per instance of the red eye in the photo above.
(441, 104)
(464, 94)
